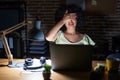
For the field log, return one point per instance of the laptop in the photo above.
(71, 57)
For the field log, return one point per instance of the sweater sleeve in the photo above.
(90, 41)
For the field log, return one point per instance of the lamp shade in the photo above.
(35, 33)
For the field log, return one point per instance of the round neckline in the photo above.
(71, 41)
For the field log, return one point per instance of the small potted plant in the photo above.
(47, 72)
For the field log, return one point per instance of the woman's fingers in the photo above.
(68, 16)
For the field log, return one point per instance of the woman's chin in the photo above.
(72, 26)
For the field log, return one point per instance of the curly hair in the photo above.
(71, 9)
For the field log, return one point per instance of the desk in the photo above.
(7, 73)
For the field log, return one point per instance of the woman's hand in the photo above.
(69, 16)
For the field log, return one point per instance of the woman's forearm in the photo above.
(52, 34)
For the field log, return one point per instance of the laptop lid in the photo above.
(71, 57)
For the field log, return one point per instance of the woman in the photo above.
(67, 18)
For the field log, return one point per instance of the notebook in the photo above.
(71, 57)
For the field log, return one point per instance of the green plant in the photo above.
(47, 68)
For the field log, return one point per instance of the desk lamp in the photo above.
(5, 43)
(35, 33)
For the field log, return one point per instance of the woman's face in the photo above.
(71, 22)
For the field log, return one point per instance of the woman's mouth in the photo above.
(71, 24)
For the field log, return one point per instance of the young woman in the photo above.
(67, 18)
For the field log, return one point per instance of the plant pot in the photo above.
(46, 75)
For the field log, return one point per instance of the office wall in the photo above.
(100, 28)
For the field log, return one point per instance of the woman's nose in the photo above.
(71, 20)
